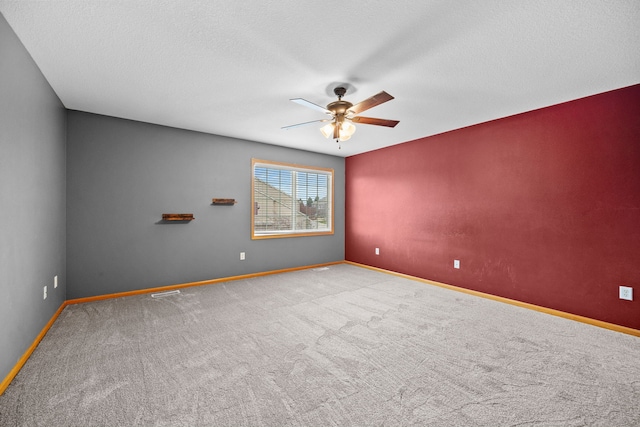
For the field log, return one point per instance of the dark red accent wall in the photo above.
(542, 207)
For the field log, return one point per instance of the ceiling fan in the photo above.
(344, 114)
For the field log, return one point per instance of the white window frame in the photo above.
(293, 231)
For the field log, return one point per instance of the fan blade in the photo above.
(374, 121)
(304, 124)
(371, 102)
(311, 105)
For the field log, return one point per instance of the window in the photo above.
(290, 200)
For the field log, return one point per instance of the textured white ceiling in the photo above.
(230, 67)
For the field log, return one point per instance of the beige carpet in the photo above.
(340, 346)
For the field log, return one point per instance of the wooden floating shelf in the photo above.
(177, 217)
(223, 202)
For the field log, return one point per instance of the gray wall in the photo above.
(123, 175)
(32, 199)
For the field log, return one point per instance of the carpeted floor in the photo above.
(337, 346)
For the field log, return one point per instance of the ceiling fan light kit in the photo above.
(343, 115)
(344, 131)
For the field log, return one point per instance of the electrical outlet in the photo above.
(626, 293)
(456, 263)
(377, 251)
(242, 256)
(55, 282)
(44, 296)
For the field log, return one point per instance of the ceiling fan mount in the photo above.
(340, 92)
(344, 114)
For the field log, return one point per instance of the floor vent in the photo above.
(165, 294)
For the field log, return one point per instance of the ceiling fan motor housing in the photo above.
(339, 108)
